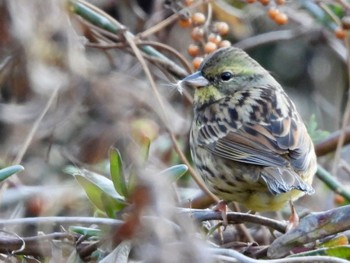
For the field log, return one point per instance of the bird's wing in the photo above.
(271, 136)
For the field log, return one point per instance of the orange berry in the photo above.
(197, 33)
(345, 21)
(280, 2)
(198, 18)
(272, 13)
(340, 33)
(281, 19)
(264, 2)
(185, 22)
(210, 47)
(222, 28)
(196, 62)
(193, 50)
(338, 199)
(250, 1)
(214, 38)
(225, 43)
(188, 2)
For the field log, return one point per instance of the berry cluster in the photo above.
(281, 18)
(340, 32)
(207, 36)
(273, 12)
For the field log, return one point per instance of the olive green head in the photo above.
(223, 73)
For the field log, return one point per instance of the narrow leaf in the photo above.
(86, 231)
(8, 171)
(110, 206)
(339, 252)
(175, 172)
(95, 186)
(100, 181)
(92, 191)
(116, 169)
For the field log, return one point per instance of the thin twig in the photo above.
(169, 49)
(156, 28)
(35, 246)
(230, 255)
(192, 172)
(329, 12)
(164, 23)
(99, 18)
(14, 178)
(209, 15)
(58, 220)
(329, 144)
(346, 117)
(105, 46)
(234, 218)
(332, 183)
(163, 116)
(274, 36)
(35, 127)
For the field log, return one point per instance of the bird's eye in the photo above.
(225, 76)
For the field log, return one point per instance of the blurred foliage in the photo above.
(315, 133)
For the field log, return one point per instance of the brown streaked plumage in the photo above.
(247, 140)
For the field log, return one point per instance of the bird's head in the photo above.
(223, 73)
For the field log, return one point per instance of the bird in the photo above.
(247, 139)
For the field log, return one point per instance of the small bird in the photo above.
(247, 140)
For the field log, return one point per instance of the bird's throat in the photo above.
(207, 95)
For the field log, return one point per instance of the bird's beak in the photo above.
(195, 80)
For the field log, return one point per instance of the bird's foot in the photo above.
(293, 220)
(221, 206)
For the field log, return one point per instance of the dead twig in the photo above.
(346, 117)
(329, 144)
(164, 117)
(234, 218)
(35, 246)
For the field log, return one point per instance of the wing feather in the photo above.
(269, 136)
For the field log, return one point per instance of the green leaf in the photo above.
(95, 185)
(339, 252)
(315, 133)
(93, 192)
(175, 172)
(339, 240)
(116, 169)
(145, 149)
(132, 182)
(8, 171)
(86, 231)
(110, 206)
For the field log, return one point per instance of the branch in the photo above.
(329, 144)
(332, 182)
(101, 19)
(312, 227)
(275, 36)
(234, 218)
(164, 117)
(229, 255)
(57, 220)
(34, 246)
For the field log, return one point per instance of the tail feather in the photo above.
(279, 180)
